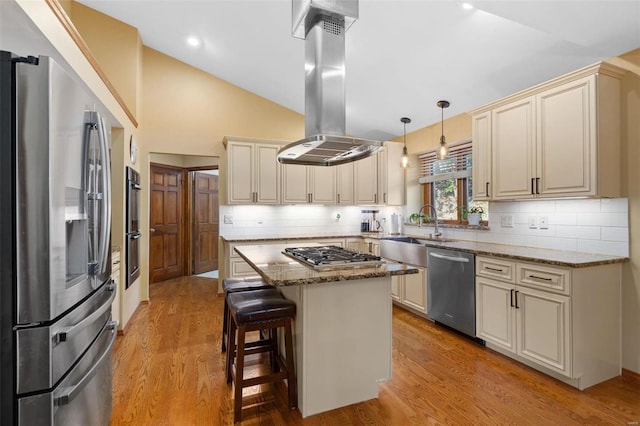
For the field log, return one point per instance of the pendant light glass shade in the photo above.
(405, 156)
(443, 149)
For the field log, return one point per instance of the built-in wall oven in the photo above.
(133, 226)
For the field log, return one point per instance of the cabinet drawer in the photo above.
(495, 268)
(240, 268)
(544, 277)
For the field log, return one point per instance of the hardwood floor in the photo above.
(168, 370)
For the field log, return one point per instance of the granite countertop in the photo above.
(280, 270)
(564, 258)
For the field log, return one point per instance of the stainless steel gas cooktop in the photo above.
(331, 256)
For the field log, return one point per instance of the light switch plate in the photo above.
(533, 222)
(543, 222)
(506, 221)
(228, 219)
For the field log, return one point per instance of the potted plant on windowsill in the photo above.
(475, 215)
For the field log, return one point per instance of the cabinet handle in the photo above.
(535, 277)
(385, 198)
(511, 296)
(486, 190)
(516, 294)
(338, 198)
(538, 185)
(532, 183)
(494, 269)
(375, 198)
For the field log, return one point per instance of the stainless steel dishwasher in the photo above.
(451, 295)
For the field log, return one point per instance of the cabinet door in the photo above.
(366, 180)
(415, 290)
(322, 184)
(344, 184)
(267, 175)
(294, 184)
(513, 151)
(481, 170)
(240, 173)
(566, 135)
(495, 315)
(543, 328)
(396, 286)
(391, 175)
(355, 246)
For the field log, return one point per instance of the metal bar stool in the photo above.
(233, 285)
(260, 310)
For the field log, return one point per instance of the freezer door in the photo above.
(83, 397)
(62, 193)
(45, 353)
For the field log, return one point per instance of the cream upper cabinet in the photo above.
(558, 139)
(366, 180)
(513, 159)
(252, 173)
(308, 184)
(345, 194)
(391, 175)
(481, 131)
(380, 179)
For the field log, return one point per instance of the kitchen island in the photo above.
(342, 332)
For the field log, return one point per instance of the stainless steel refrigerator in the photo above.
(56, 331)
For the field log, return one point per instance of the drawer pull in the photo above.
(516, 294)
(494, 269)
(511, 296)
(535, 277)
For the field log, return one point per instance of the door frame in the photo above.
(188, 246)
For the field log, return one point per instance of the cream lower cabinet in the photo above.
(562, 321)
(530, 323)
(411, 290)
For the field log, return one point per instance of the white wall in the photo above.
(297, 220)
(589, 226)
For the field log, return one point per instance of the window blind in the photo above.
(457, 165)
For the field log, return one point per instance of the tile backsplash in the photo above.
(590, 226)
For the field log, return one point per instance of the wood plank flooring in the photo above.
(168, 370)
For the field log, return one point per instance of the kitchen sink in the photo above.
(404, 249)
(409, 250)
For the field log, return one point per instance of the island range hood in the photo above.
(323, 23)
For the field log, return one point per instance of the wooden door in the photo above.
(166, 240)
(205, 223)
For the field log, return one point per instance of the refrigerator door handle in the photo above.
(105, 224)
(69, 393)
(67, 332)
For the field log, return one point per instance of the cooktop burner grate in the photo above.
(327, 256)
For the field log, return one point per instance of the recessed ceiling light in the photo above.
(467, 6)
(193, 41)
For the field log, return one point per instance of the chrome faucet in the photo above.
(435, 216)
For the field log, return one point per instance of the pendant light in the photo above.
(405, 156)
(443, 151)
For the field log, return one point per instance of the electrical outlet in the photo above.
(533, 222)
(506, 221)
(228, 219)
(543, 222)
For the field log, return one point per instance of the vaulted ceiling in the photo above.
(402, 56)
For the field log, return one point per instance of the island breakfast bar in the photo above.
(342, 334)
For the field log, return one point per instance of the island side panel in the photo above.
(344, 341)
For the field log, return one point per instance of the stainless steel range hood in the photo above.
(323, 23)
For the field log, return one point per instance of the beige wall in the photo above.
(119, 54)
(630, 169)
